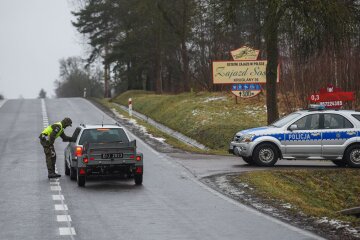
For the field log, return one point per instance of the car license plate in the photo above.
(111, 155)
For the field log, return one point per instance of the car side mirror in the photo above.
(293, 127)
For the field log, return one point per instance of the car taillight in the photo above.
(82, 171)
(138, 158)
(85, 160)
(78, 151)
(139, 170)
(132, 156)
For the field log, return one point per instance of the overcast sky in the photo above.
(34, 35)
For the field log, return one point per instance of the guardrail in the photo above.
(166, 129)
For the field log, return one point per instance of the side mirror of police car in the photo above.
(293, 127)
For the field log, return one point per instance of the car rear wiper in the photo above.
(116, 142)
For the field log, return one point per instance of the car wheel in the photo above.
(340, 163)
(81, 180)
(67, 169)
(248, 160)
(265, 155)
(352, 156)
(73, 173)
(138, 179)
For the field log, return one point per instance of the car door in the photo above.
(305, 141)
(336, 131)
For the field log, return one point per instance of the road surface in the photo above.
(171, 203)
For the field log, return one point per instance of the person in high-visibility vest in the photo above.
(47, 139)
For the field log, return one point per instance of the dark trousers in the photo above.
(50, 156)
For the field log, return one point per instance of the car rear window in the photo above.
(336, 121)
(103, 135)
(357, 116)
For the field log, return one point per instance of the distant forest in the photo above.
(169, 45)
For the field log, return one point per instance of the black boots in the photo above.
(53, 175)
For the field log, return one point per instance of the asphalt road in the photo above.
(171, 204)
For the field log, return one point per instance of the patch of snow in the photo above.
(139, 127)
(210, 99)
(251, 110)
(132, 121)
(287, 205)
(224, 183)
(337, 224)
(263, 207)
(117, 114)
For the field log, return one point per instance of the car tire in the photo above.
(80, 180)
(352, 156)
(340, 163)
(66, 167)
(138, 179)
(265, 155)
(248, 160)
(73, 173)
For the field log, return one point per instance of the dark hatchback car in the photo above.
(102, 150)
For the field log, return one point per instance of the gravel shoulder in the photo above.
(329, 229)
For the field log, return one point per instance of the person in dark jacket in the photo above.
(47, 139)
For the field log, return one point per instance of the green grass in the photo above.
(154, 131)
(318, 193)
(210, 118)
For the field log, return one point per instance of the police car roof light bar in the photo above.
(316, 107)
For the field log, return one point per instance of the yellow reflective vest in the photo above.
(47, 131)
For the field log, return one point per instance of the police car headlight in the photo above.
(235, 137)
(248, 138)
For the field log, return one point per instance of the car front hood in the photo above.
(260, 131)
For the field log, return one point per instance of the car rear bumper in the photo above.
(111, 169)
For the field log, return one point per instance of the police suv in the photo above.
(317, 133)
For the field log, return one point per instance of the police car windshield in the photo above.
(283, 121)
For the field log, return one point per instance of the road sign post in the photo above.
(130, 107)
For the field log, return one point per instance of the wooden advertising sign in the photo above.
(229, 72)
(245, 53)
(245, 69)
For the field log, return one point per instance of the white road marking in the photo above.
(63, 218)
(66, 231)
(55, 188)
(61, 207)
(58, 197)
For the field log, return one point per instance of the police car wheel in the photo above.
(248, 160)
(340, 163)
(265, 155)
(352, 156)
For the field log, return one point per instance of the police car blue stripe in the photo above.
(310, 136)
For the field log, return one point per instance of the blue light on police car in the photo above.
(317, 107)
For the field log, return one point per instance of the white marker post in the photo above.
(130, 107)
(84, 92)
